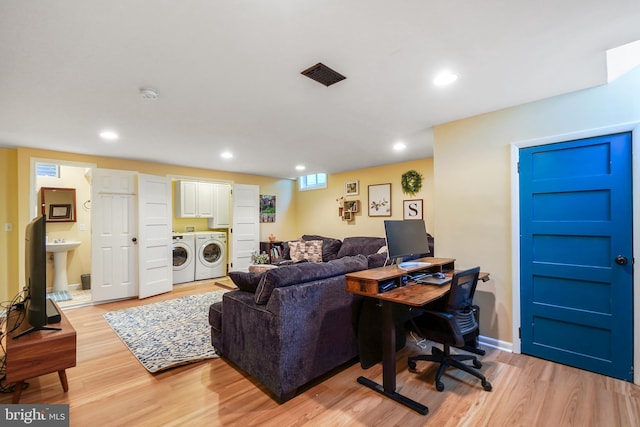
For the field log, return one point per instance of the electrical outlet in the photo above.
(8, 226)
(82, 227)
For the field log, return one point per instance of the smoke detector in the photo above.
(149, 93)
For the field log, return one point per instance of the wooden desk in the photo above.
(39, 353)
(366, 283)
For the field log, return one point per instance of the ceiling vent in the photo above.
(323, 74)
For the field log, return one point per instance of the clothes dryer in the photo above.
(184, 254)
(211, 247)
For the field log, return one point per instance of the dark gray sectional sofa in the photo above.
(292, 324)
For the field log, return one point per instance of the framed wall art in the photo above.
(352, 205)
(380, 200)
(412, 209)
(351, 188)
(267, 208)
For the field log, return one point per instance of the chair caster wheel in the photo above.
(477, 364)
(486, 385)
(412, 365)
(440, 385)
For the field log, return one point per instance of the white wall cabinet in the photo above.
(206, 197)
(222, 196)
(193, 199)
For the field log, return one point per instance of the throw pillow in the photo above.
(286, 251)
(310, 250)
(330, 246)
(247, 282)
(377, 260)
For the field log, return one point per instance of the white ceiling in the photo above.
(228, 73)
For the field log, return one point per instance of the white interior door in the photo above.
(154, 237)
(113, 228)
(246, 225)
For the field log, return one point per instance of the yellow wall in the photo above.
(318, 209)
(19, 195)
(8, 215)
(310, 212)
(472, 181)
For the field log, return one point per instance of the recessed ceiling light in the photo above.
(399, 146)
(109, 135)
(445, 78)
(300, 167)
(226, 155)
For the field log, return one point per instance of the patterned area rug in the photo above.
(167, 334)
(59, 296)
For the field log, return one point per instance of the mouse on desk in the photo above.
(439, 275)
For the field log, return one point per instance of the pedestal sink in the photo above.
(59, 250)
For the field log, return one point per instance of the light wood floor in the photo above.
(110, 387)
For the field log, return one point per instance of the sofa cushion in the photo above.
(330, 246)
(306, 272)
(215, 315)
(376, 260)
(306, 250)
(247, 282)
(361, 245)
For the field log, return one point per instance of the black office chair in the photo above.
(454, 326)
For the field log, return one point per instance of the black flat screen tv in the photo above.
(35, 269)
(406, 240)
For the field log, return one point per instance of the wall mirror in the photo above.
(58, 204)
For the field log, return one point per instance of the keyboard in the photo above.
(430, 280)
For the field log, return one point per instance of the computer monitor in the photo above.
(406, 240)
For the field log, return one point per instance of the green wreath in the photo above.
(411, 182)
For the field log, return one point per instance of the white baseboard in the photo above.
(494, 343)
(70, 287)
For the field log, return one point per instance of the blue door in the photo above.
(576, 254)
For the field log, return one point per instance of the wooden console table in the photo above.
(39, 353)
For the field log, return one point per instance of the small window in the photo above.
(313, 182)
(47, 169)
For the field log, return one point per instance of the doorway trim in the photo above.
(33, 202)
(634, 128)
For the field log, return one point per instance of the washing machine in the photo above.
(184, 257)
(211, 259)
